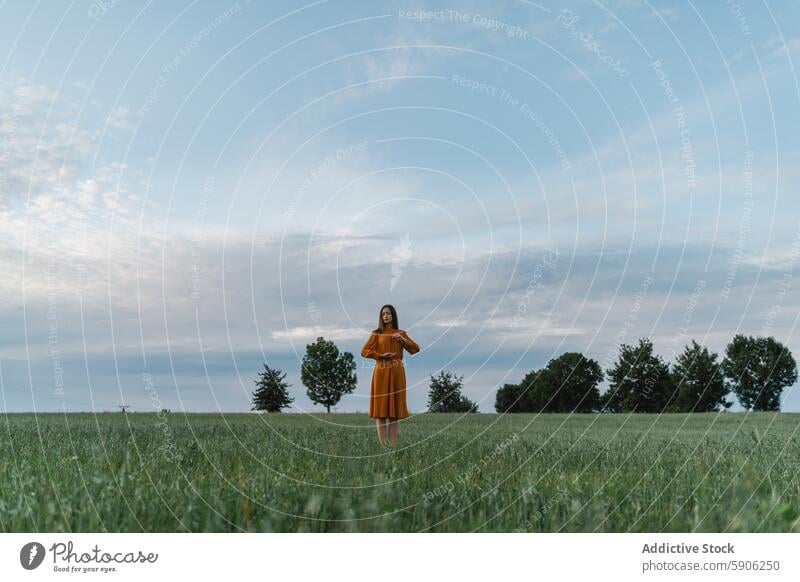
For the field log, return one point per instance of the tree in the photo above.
(533, 397)
(758, 369)
(326, 373)
(527, 396)
(445, 394)
(699, 380)
(509, 398)
(640, 381)
(569, 384)
(271, 393)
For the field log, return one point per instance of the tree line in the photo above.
(755, 369)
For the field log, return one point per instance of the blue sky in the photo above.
(189, 189)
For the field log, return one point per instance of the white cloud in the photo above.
(304, 333)
(119, 118)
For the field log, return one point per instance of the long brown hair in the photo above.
(379, 329)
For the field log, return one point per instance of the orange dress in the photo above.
(387, 396)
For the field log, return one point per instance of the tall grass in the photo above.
(450, 473)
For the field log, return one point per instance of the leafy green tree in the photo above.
(522, 397)
(445, 394)
(509, 398)
(271, 393)
(699, 380)
(640, 381)
(534, 398)
(326, 373)
(569, 384)
(758, 369)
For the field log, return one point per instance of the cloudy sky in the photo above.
(190, 189)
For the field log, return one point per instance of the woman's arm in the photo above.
(409, 344)
(368, 351)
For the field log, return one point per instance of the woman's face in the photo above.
(386, 316)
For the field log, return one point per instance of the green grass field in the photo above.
(450, 473)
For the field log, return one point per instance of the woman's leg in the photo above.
(392, 432)
(379, 425)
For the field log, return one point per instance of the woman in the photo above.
(387, 398)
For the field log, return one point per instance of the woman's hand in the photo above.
(399, 337)
(387, 355)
